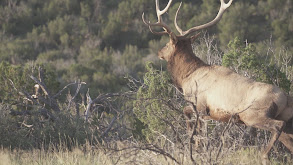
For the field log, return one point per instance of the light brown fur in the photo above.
(221, 93)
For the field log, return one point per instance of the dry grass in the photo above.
(85, 156)
(65, 157)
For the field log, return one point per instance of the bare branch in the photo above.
(52, 102)
(109, 127)
(79, 84)
(89, 104)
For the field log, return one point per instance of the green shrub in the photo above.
(245, 60)
(155, 104)
(34, 131)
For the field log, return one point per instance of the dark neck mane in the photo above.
(183, 63)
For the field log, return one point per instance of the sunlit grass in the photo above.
(64, 157)
(88, 155)
(252, 155)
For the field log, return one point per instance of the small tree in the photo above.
(244, 60)
(157, 106)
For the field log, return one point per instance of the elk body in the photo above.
(221, 93)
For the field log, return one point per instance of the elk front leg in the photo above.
(192, 127)
(188, 112)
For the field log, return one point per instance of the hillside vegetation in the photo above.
(82, 78)
(100, 41)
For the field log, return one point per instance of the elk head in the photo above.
(185, 38)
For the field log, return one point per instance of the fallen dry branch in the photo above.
(133, 149)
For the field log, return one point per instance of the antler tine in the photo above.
(175, 20)
(160, 22)
(156, 24)
(157, 33)
(161, 12)
(226, 5)
(222, 9)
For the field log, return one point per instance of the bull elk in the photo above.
(220, 92)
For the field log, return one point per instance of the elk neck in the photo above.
(183, 63)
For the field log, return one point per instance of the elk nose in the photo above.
(161, 57)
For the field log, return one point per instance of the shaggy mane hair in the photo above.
(183, 62)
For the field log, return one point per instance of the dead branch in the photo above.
(89, 104)
(149, 147)
(79, 84)
(51, 102)
(194, 127)
(228, 126)
(109, 127)
(65, 87)
(42, 85)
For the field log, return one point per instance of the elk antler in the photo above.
(222, 9)
(160, 22)
(167, 29)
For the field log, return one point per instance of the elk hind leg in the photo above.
(275, 127)
(286, 137)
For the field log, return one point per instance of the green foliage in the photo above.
(12, 74)
(150, 106)
(278, 15)
(241, 57)
(57, 32)
(27, 132)
(95, 66)
(131, 60)
(15, 19)
(15, 79)
(86, 10)
(239, 22)
(57, 8)
(17, 51)
(206, 13)
(122, 23)
(63, 30)
(244, 59)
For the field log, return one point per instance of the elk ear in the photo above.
(192, 38)
(173, 38)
